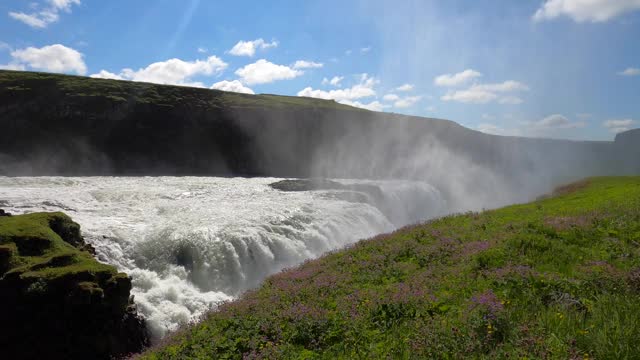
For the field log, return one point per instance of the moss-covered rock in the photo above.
(56, 295)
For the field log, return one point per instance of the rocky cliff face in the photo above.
(58, 302)
(57, 124)
(628, 146)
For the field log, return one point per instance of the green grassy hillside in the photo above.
(30, 84)
(557, 278)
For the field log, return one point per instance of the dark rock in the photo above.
(4, 213)
(348, 192)
(307, 185)
(628, 143)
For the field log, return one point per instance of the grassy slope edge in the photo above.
(23, 83)
(556, 278)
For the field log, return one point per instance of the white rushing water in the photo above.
(190, 242)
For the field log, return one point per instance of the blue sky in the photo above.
(552, 68)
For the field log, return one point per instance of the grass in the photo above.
(558, 278)
(84, 89)
(34, 250)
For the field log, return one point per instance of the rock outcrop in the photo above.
(59, 302)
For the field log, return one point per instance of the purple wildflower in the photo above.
(488, 302)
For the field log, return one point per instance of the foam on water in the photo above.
(191, 242)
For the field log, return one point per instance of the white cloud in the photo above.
(585, 10)
(303, 64)
(365, 50)
(173, 71)
(364, 89)
(488, 117)
(407, 101)
(104, 74)
(510, 100)
(485, 93)
(630, 72)
(233, 86)
(46, 16)
(391, 97)
(456, 79)
(617, 126)
(405, 87)
(506, 86)
(401, 102)
(431, 108)
(202, 50)
(349, 96)
(18, 67)
(555, 122)
(35, 20)
(470, 96)
(248, 48)
(373, 106)
(263, 72)
(53, 58)
(64, 4)
(4, 46)
(492, 129)
(335, 81)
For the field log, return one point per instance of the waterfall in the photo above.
(191, 242)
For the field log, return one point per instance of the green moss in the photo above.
(556, 278)
(35, 250)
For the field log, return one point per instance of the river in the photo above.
(191, 242)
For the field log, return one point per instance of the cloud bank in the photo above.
(52, 58)
(585, 10)
(264, 72)
(335, 81)
(485, 93)
(618, 126)
(233, 86)
(460, 78)
(48, 15)
(249, 48)
(171, 72)
(349, 96)
(630, 72)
